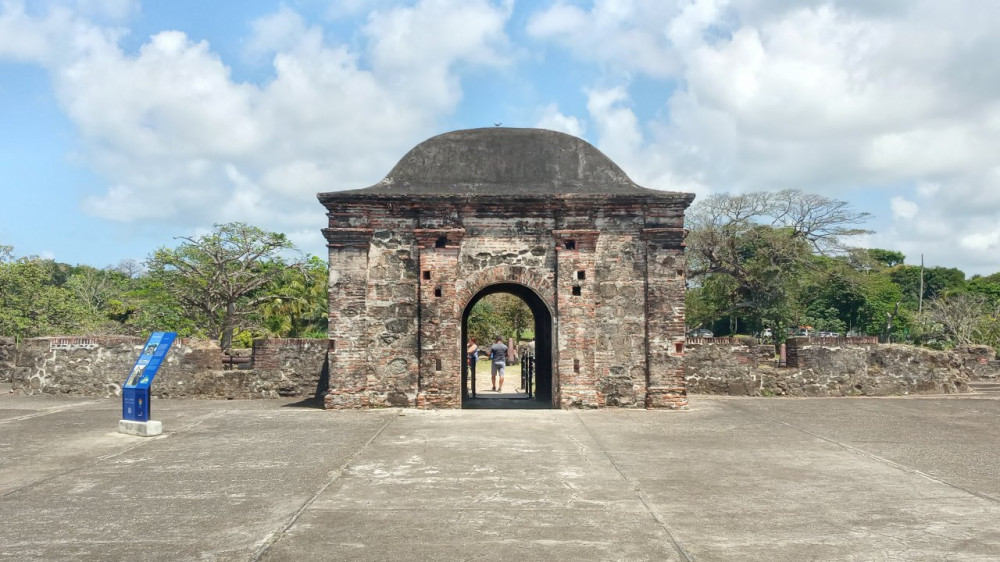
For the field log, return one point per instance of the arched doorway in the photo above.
(543, 347)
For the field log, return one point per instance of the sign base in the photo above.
(143, 429)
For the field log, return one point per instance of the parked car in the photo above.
(702, 333)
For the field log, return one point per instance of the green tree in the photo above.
(515, 313)
(222, 277)
(485, 322)
(938, 281)
(887, 258)
(986, 285)
(32, 304)
(298, 305)
(148, 306)
(881, 296)
(100, 293)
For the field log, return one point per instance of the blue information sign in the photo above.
(135, 391)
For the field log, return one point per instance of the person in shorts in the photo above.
(498, 360)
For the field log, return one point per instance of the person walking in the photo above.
(498, 361)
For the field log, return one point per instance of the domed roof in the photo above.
(505, 161)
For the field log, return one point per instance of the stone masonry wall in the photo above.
(403, 270)
(730, 366)
(619, 320)
(7, 351)
(293, 366)
(741, 368)
(97, 366)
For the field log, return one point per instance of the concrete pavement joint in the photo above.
(638, 492)
(274, 537)
(874, 457)
(47, 411)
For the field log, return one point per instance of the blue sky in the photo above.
(126, 123)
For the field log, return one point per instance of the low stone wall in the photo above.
(725, 365)
(7, 352)
(97, 366)
(301, 364)
(835, 369)
(800, 351)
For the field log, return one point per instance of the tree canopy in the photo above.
(499, 314)
(220, 278)
(750, 254)
(236, 279)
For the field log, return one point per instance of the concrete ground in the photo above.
(731, 479)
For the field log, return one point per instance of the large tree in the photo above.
(759, 244)
(221, 277)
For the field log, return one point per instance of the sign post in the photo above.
(136, 390)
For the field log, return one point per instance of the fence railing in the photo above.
(528, 373)
(242, 362)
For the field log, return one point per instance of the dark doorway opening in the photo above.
(541, 395)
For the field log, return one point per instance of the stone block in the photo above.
(142, 429)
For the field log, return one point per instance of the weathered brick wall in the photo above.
(619, 319)
(665, 272)
(576, 251)
(440, 364)
(840, 369)
(97, 366)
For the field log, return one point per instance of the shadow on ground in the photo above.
(505, 404)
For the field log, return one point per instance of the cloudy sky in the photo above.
(125, 123)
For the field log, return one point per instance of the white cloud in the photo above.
(988, 241)
(281, 31)
(830, 96)
(624, 36)
(553, 119)
(178, 139)
(903, 208)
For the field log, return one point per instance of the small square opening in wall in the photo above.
(437, 291)
(571, 244)
(679, 347)
(576, 365)
(427, 275)
(441, 242)
(581, 275)
(577, 291)
(333, 345)
(437, 364)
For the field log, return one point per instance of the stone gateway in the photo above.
(536, 213)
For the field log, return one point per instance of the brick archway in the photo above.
(546, 385)
(470, 210)
(531, 279)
